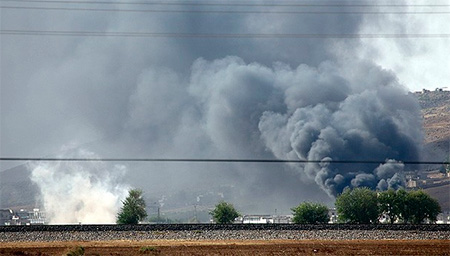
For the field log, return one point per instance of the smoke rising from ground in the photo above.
(319, 98)
(79, 192)
(355, 111)
(311, 113)
(345, 117)
(230, 109)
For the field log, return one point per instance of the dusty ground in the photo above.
(437, 123)
(436, 115)
(233, 247)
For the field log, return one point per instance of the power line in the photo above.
(211, 35)
(220, 11)
(198, 160)
(233, 4)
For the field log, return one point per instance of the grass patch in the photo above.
(77, 251)
(149, 249)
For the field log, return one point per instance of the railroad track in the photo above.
(207, 227)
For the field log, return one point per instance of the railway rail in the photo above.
(208, 227)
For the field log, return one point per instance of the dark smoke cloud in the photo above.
(239, 110)
(209, 98)
(364, 120)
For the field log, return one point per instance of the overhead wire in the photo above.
(247, 4)
(220, 11)
(223, 35)
(202, 160)
(211, 35)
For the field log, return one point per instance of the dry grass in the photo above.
(234, 247)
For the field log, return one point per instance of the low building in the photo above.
(411, 184)
(6, 217)
(37, 217)
(257, 219)
(443, 218)
(435, 175)
(264, 219)
(22, 217)
(284, 219)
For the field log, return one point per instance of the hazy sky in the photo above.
(221, 97)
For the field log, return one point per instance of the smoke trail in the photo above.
(79, 192)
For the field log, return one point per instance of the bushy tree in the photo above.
(310, 213)
(390, 204)
(422, 207)
(133, 209)
(224, 213)
(358, 205)
(404, 206)
(408, 207)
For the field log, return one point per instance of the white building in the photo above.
(443, 218)
(37, 217)
(264, 219)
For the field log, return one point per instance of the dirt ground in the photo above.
(232, 247)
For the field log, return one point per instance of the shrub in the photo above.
(77, 251)
(133, 209)
(224, 213)
(358, 205)
(310, 213)
(148, 249)
(422, 207)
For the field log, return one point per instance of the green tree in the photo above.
(404, 206)
(422, 207)
(390, 203)
(417, 206)
(310, 213)
(358, 205)
(224, 213)
(133, 209)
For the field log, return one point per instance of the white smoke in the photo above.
(74, 192)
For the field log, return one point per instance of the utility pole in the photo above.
(195, 214)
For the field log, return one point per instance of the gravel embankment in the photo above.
(213, 232)
(41, 236)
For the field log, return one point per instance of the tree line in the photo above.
(365, 206)
(362, 205)
(355, 206)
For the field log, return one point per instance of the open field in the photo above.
(232, 247)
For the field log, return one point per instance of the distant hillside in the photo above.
(442, 194)
(436, 114)
(436, 121)
(16, 188)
